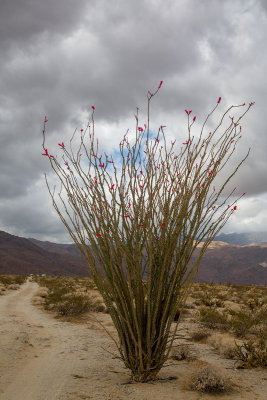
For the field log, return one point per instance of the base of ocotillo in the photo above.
(142, 379)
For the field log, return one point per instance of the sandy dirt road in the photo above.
(42, 358)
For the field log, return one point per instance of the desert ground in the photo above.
(49, 358)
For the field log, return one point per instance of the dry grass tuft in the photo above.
(200, 336)
(225, 345)
(208, 379)
(183, 352)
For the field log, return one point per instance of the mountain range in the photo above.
(223, 261)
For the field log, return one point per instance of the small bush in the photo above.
(247, 319)
(7, 280)
(213, 319)
(75, 305)
(200, 336)
(252, 354)
(224, 344)
(183, 352)
(208, 379)
(13, 286)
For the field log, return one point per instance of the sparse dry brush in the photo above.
(247, 325)
(208, 379)
(141, 220)
(11, 282)
(69, 297)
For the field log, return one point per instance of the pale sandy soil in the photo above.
(42, 358)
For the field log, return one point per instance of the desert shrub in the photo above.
(13, 286)
(213, 319)
(43, 292)
(241, 322)
(207, 300)
(228, 351)
(67, 296)
(7, 280)
(224, 344)
(56, 295)
(252, 353)
(222, 295)
(245, 320)
(183, 352)
(219, 303)
(200, 335)
(209, 379)
(76, 305)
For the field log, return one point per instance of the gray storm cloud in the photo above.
(59, 58)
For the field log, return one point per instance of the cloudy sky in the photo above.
(57, 58)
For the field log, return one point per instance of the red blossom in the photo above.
(81, 130)
(98, 234)
(219, 100)
(127, 216)
(93, 107)
(187, 142)
(46, 153)
(140, 129)
(188, 112)
(101, 165)
(45, 120)
(194, 118)
(112, 186)
(61, 144)
(161, 82)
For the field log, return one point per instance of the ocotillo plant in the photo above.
(138, 223)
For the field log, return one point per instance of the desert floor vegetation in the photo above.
(68, 297)
(204, 362)
(10, 282)
(230, 319)
(207, 378)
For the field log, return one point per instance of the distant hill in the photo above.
(243, 239)
(28, 256)
(222, 262)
